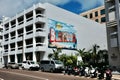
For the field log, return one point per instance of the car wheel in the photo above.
(51, 70)
(42, 69)
(23, 68)
(9, 68)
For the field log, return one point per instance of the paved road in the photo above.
(12, 74)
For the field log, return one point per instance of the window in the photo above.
(85, 16)
(103, 19)
(102, 11)
(96, 20)
(44, 62)
(91, 15)
(52, 62)
(96, 14)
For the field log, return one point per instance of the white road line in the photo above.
(25, 75)
(1, 79)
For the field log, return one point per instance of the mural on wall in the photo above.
(61, 35)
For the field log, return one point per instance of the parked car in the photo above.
(51, 65)
(12, 65)
(30, 65)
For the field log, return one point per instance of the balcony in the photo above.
(40, 48)
(12, 49)
(29, 34)
(111, 23)
(28, 19)
(40, 34)
(40, 19)
(12, 52)
(114, 42)
(20, 47)
(13, 37)
(12, 29)
(114, 33)
(40, 44)
(12, 40)
(21, 22)
(6, 50)
(39, 15)
(29, 49)
(5, 54)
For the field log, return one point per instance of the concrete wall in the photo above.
(88, 31)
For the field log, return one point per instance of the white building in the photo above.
(1, 58)
(33, 33)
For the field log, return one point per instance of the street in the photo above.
(14, 74)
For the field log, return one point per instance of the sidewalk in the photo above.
(116, 77)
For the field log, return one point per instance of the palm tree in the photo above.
(50, 56)
(81, 52)
(103, 56)
(95, 52)
(55, 54)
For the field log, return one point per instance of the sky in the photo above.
(10, 8)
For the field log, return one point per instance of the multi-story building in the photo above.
(113, 31)
(33, 33)
(1, 57)
(96, 14)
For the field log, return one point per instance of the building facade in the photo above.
(113, 31)
(97, 14)
(33, 33)
(1, 49)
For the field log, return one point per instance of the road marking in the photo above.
(24, 75)
(1, 79)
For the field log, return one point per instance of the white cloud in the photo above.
(11, 7)
(88, 4)
(56, 2)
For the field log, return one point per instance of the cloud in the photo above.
(11, 7)
(56, 2)
(89, 4)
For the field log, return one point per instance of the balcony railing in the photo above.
(111, 23)
(21, 22)
(30, 18)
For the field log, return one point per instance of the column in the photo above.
(23, 38)
(16, 37)
(34, 31)
(9, 38)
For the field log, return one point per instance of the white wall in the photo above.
(88, 31)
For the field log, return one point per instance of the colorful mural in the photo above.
(61, 35)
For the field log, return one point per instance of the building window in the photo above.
(96, 14)
(102, 11)
(91, 15)
(85, 16)
(96, 20)
(103, 19)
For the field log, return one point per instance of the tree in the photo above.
(55, 54)
(50, 56)
(81, 52)
(94, 53)
(103, 57)
(68, 59)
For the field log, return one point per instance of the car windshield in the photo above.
(58, 62)
(32, 62)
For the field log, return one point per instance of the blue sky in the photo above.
(12, 7)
